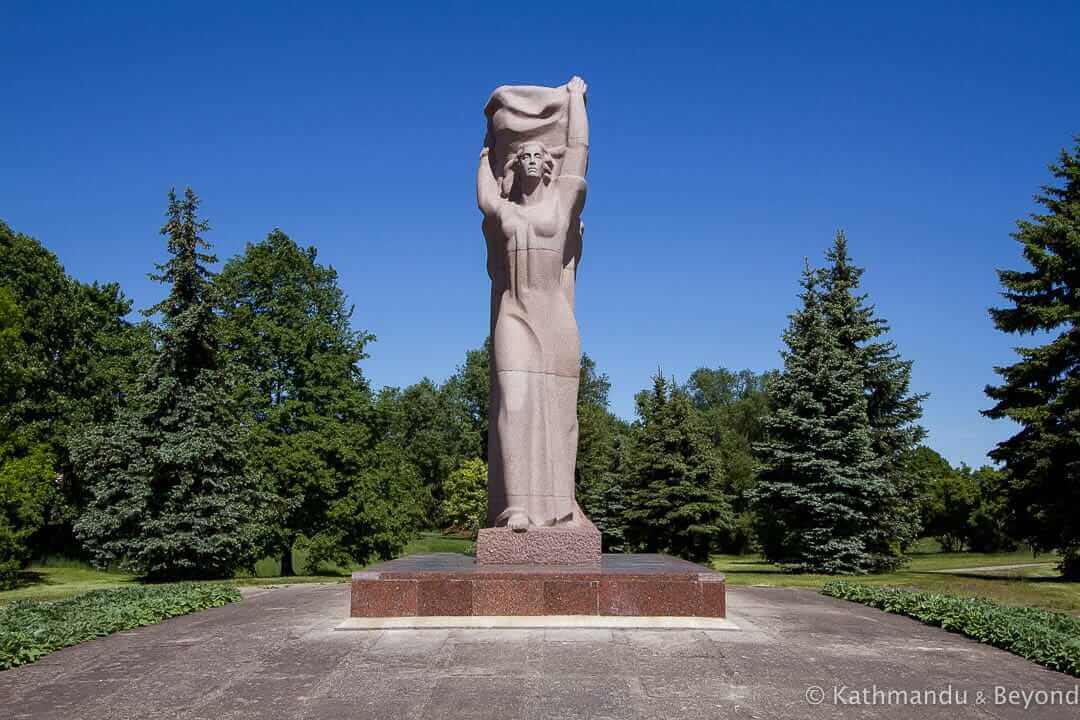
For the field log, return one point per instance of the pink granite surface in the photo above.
(562, 545)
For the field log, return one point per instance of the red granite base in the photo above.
(623, 585)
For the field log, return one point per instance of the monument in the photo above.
(541, 555)
(531, 188)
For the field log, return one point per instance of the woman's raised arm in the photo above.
(487, 187)
(576, 160)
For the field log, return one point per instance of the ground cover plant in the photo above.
(30, 630)
(1047, 638)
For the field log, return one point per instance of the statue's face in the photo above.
(531, 157)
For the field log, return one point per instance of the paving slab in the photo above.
(276, 654)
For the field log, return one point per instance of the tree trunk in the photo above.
(286, 562)
(1070, 566)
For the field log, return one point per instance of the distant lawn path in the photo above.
(997, 568)
(1014, 578)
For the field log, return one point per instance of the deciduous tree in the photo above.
(465, 496)
(286, 329)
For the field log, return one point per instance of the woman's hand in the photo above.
(576, 85)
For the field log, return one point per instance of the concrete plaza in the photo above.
(277, 655)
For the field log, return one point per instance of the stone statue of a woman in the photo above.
(531, 189)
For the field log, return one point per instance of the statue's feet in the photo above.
(518, 521)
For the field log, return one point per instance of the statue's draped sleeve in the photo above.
(520, 113)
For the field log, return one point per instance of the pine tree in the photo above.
(892, 410)
(677, 504)
(1041, 391)
(820, 488)
(172, 496)
(285, 325)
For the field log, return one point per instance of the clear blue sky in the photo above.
(729, 141)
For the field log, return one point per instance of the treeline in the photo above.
(234, 422)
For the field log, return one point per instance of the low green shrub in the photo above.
(29, 630)
(1047, 638)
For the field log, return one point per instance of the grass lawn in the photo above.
(1038, 585)
(58, 578)
(425, 542)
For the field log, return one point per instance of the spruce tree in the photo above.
(820, 487)
(1041, 391)
(172, 496)
(892, 410)
(286, 327)
(677, 503)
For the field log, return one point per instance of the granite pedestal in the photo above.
(561, 545)
(449, 584)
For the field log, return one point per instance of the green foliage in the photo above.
(439, 427)
(601, 468)
(1047, 638)
(464, 504)
(991, 526)
(172, 494)
(961, 507)
(26, 465)
(468, 392)
(378, 514)
(25, 488)
(677, 504)
(421, 420)
(950, 499)
(30, 630)
(820, 490)
(732, 405)
(1041, 391)
(68, 359)
(285, 328)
